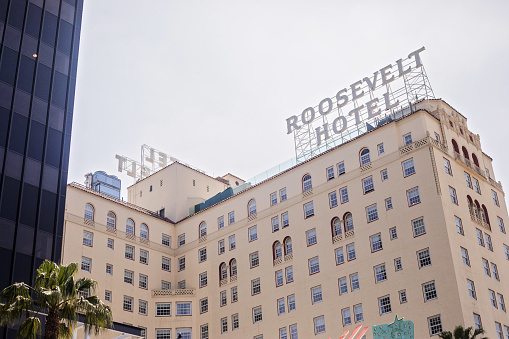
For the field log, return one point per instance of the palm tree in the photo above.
(462, 333)
(57, 294)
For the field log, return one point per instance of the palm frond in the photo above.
(65, 331)
(16, 301)
(30, 328)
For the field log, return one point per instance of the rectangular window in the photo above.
(459, 225)
(86, 264)
(204, 305)
(88, 238)
(182, 263)
(235, 321)
(380, 148)
(343, 286)
(202, 254)
(254, 259)
(183, 308)
(413, 196)
(495, 197)
(163, 309)
(220, 247)
(204, 331)
(282, 194)
(402, 297)
(344, 194)
(275, 224)
(234, 294)
(273, 199)
(501, 302)
(316, 294)
(393, 233)
(464, 256)
(279, 278)
(181, 240)
(435, 325)
(341, 168)
(471, 289)
(501, 225)
(488, 241)
(429, 290)
(128, 304)
(385, 304)
(166, 264)
(408, 167)
(319, 323)
(359, 315)
(447, 166)
(333, 199)
(284, 220)
(330, 173)
(480, 239)
(493, 299)
(143, 281)
(129, 277)
(109, 269)
(314, 266)
(165, 285)
(424, 258)
(367, 185)
(129, 252)
(311, 237)
(291, 303)
(224, 325)
(506, 330)
(477, 321)
(498, 327)
(220, 222)
(418, 227)
(231, 217)
(347, 318)
(384, 175)
(407, 138)
(231, 241)
(309, 210)
(388, 204)
(253, 233)
(398, 265)
(494, 270)
(452, 193)
(354, 282)
(107, 295)
(372, 213)
(143, 257)
(283, 334)
(380, 273)
(203, 279)
(255, 286)
(163, 333)
(376, 242)
(142, 307)
(350, 249)
(486, 267)
(468, 180)
(340, 258)
(289, 274)
(257, 314)
(281, 307)
(111, 243)
(477, 187)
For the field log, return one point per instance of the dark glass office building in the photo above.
(38, 62)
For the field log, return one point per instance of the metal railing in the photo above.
(191, 292)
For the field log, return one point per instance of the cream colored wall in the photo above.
(447, 270)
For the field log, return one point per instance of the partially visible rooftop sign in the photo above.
(390, 88)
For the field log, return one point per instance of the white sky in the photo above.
(212, 82)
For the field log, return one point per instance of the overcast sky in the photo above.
(212, 82)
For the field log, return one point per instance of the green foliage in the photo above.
(56, 292)
(463, 333)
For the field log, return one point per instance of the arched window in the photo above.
(336, 226)
(288, 245)
(251, 207)
(277, 251)
(144, 231)
(233, 267)
(471, 206)
(223, 272)
(348, 221)
(111, 220)
(89, 212)
(465, 153)
(129, 226)
(485, 218)
(306, 183)
(455, 146)
(364, 157)
(203, 229)
(474, 158)
(477, 209)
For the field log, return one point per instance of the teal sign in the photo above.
(398, 329)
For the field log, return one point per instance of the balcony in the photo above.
(480, 222)
(191, 292)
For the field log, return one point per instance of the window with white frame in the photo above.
(282, 194)
(202, 254)
(163, 309)
(257, 314)
(181, 240)
(255, 286)
(89, 212)
(220, 247)
(424, 258)
(142, 307)
(341, 168)
(184, 308)
(129, 226)
(283, 334)
(203, 229)
(501, 302)
(220, 222)
(129, 277)
(231, 217)
(452, 193)
(354, 282)
(486, 267)
(380, 273)
(281, 306)
(380, 148)
(291, 303)
(350, 249)
(319, 323)
(235, 294)
(464, 256)
(129, 252)
(429, 290)
(367, 185)
(408, 167)
(498, 328)
(111, 243)
(311, 237)
(143, 281)
(343, 286)
(333, 199)
(489, 245)
(501, 224)
(231, 241)
(88, 238)
(275, 224)
(435, 325)
(109, 269)
(471, 289)
(447, 166)
(348, 221)
(289, 274)
(163, 333)
(203, 279)
(182, 263)
(398, 265)
(107, 296)
(314, 265)
(128, 304)
(359, 315)
(468, 180)
(337, 228)
(376, 242)
(344, 194)
(144, 231)
(384, 175)
(418, 227)
(480, 239)
(402, 297)
(393, 233)
(459, 225)
(364, 157)
(330, 173)
(184, 333)
(224, 325)
(477, 321)
(494, 270)
(204, 305)
(166, 264)
(254, 259)
(495, 197)
(340, 258)
(165, 285)
(111, 220)
(284, 220)
(309, 210)
(372, 213)
(251, 207)
(506, 252)
(384, 304)
(143, 256)
(253, 233)
(273, 198)
(235, 321)
(166, 240)
(316, 294)
(388, 204)
(493, 299)
(279, 278)
(347, 317)
(306, 183)
(477, 187)
(407, 138)
(413, 196)
(86, 264)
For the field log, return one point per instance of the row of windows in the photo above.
(161, 309)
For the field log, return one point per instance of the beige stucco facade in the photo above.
(404, 240)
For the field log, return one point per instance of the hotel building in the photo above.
(406, 219)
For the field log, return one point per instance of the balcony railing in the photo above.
(191, 292)
(480, 222)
